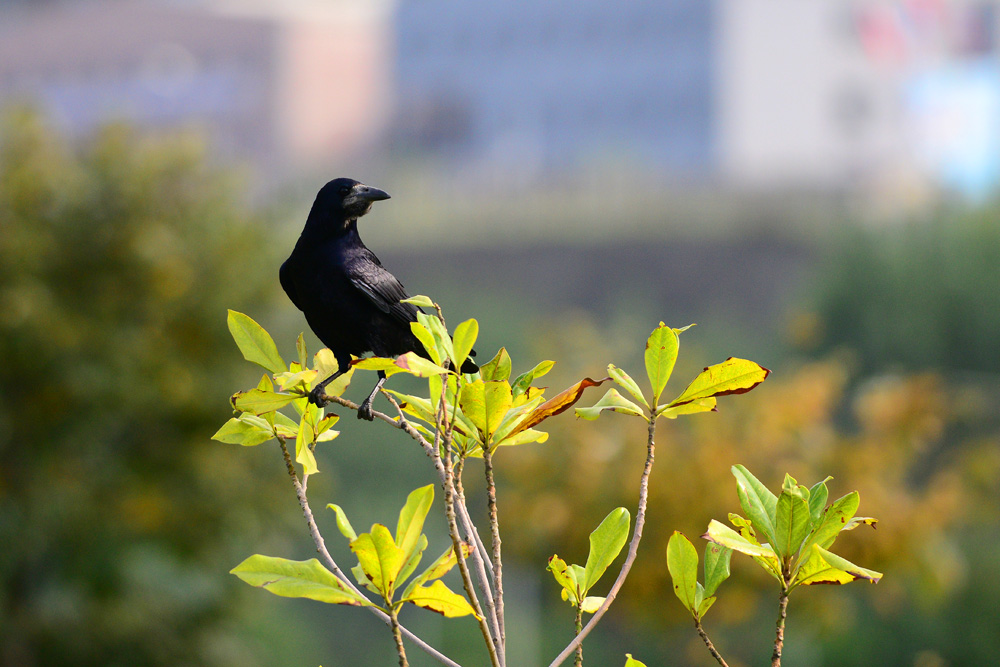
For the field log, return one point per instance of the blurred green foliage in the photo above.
(118, 517)
(923, 294)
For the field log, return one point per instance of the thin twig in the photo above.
(708, 643)
(579, 627)
(779, 635)
(468, 520)
(491, 498)
(400, 649)
(480, 561)
(332, 564)
(633, 548)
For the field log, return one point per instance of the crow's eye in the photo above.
(344, 190)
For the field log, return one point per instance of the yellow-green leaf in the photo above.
(566, 577)
(660, 356)
(727, 537)
(732, 376)
(694, 407)
(524, 380)
(411, 518)
(419, 300)
(465, 337)
(623, 379)
(260, 402)
(300, 348)
(326, 365)
(438, 597)
(296, 579)
(632, 662)
(426, 339)
(254, 342)
(485, 404)
(591, 603)
(237, 431)
(496, 369)
(380, 558)
(440, 567)
(682, 562)
(612, 401)
(606, 543)
(414, 364)
(342, 523)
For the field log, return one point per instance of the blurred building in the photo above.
(553, 83)
(828, 95)
(274, 83)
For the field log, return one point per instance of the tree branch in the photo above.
(633, 548)
(779, 635)
(708, 643)
(491, 498)
(332, 564)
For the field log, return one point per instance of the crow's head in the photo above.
(347, 198)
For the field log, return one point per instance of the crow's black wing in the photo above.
(287, 284)
(382, 288)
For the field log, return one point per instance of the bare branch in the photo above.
(633, 549)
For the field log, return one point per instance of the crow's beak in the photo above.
(370, 194)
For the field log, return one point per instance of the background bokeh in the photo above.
(813, 184)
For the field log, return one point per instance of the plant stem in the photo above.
(332, 564)
(456, 540)
(579, 627)
(779, 637)
(708, 643)
(397, 635)
(633, 549)
(491, 497)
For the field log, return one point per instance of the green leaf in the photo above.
(420, 301)
(661, 354)
(818, 495)
(485, 404)
(682, 562)
(524, 380)
(632, 662)
(591, 604)
(238, 431)
(606, 543)
(694, 407)
(411, 518)
(296, 579)
(843, 565)
(260, 402)
(342, 523)
(300, 348)
(732, 376)
(522, 438)
(426, 339)
(757, 501)
(465, 337)
(623, 379)
(254, 342)
(438, 597)
(704, 606)
(612, 401)
(716, 566)
(496, 369)
(441, 337)
(834, 519)
(859, 521)
(288, 380)
(380, 559)
(724, 535)
(791, 523)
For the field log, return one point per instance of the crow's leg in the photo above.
(320, 389)
(365, 409)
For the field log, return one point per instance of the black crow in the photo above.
(350, 301)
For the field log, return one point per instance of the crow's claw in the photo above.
(316, 396)
(365, 411)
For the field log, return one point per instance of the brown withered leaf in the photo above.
(558, 403)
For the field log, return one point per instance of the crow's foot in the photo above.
(317, 396)
(365, 410)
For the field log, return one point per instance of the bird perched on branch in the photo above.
(351, 302)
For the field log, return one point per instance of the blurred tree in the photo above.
(921, 295)
(118, 517)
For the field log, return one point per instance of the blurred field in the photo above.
(118, 259)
